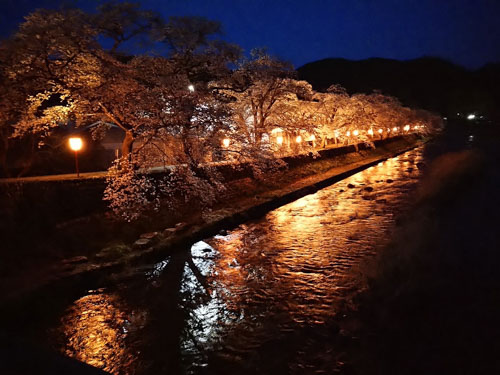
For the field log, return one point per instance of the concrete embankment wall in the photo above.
(59, 200)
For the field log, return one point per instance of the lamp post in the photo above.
(76, 144)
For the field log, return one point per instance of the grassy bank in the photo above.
(433, 301)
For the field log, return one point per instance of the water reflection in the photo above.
(249, 293)
(95, 329)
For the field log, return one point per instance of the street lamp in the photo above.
(191, 88)
(76, 144)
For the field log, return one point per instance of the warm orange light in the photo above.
(395, 129)
(336, 133)
(75, 143)
(370, 131)
(380, 131)
(298, 139)
(279, 139)
(355, 133)
(225, 142)
(388, 130)
(348, 133)
(312, 138)
(407, 128)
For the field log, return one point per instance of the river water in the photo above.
(257, 299)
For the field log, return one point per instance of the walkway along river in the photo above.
(257, 299)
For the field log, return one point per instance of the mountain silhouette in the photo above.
(428, 82)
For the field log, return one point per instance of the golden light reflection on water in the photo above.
(95, 332)
(296, 260)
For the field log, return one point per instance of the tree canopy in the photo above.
(191, 100)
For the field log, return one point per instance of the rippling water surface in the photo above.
(257, 299)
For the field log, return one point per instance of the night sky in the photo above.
(466, 32)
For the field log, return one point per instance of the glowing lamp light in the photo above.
(298, 139)
(380, 131)
(370, 131)
(407, 128)
(472, 116)
(75, 143)
(225, 142)
(388, 130)
(355, 133)
(312, 138)
(348, 133)
(191, 88)
(395, 129)
(279, 139)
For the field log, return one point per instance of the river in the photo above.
(262, 298)
(255, 299)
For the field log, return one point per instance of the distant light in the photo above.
(348, 133)
(312, 138)
(226, 142)
(380, 131)
(388, 130)
(445, 118)
(75, 143)
(279, 139)
(370, 131)
(298, 139)
(355, 133)
(406, 128)
(191, 88)
(395, 129)
(336, 133)
(471, 116)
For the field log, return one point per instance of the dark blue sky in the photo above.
(466, 32)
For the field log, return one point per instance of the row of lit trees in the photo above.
(193, 100)
(280, 112)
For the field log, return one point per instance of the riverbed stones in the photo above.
(112, 252)
(149, 235)
(142, 243)
(180, 226)
(168, 232)
(76, 260)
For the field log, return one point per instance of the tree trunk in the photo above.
(3, 156)
(323, 142)
(127, 145)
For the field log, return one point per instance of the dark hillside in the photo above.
(428, 82)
